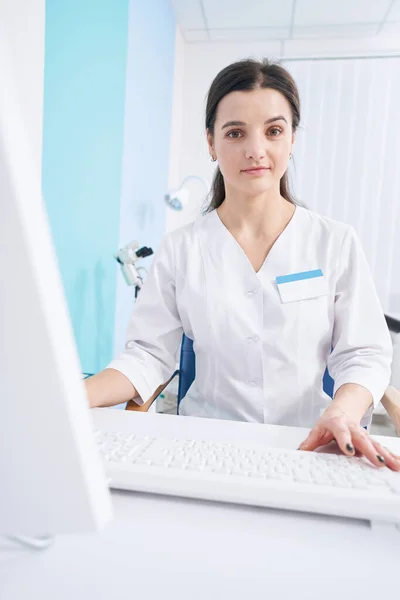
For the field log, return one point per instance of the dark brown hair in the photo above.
(246, 75)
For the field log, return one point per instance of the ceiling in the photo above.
(246, 20)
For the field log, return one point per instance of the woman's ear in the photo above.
(210, 142)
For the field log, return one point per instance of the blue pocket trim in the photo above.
(299, 276)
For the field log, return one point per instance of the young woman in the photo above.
(265, 288)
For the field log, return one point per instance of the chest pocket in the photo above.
(305, 304)
(302, 286)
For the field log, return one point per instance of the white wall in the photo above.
(349, 171)
(22, 23)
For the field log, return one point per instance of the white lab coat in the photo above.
(261, 347)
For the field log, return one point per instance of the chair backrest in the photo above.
(187, 368)
(187, 371)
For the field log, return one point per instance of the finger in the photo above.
(365, 445)
(342, 434)
(392, 460)
(317, 437)
(392, 453)
(312, 438)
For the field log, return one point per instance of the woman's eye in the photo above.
(236, 134)
(234, 137)
(274, 131)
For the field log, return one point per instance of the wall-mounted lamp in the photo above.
(179, 198)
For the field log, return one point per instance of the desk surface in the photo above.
(159, 547)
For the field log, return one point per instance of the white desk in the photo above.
(159, 547)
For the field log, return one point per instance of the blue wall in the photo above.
(149, 93)
(83, 129)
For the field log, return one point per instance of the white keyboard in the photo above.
(285, 479)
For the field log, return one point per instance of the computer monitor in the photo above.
(51, 477)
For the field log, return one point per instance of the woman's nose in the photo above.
(256, 149)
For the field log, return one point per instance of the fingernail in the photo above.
(349, 447)
(380, 458)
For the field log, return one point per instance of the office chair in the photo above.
(187, 368)
(187, 373)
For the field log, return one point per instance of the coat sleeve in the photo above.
(155, 330)
(362, 348)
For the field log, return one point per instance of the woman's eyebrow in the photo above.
(242, 123)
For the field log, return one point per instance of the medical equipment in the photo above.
(127, 257)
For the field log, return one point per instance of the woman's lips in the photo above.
(259, 171)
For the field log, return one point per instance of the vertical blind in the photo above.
(347, 155)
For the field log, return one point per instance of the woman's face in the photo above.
(252, 129)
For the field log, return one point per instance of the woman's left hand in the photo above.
(351, 438)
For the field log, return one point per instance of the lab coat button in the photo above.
(252, 292)
(253, 338)
(254, 382)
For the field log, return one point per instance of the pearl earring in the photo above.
(290, 156)
(212, 159)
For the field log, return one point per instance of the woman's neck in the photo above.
(259, 217)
